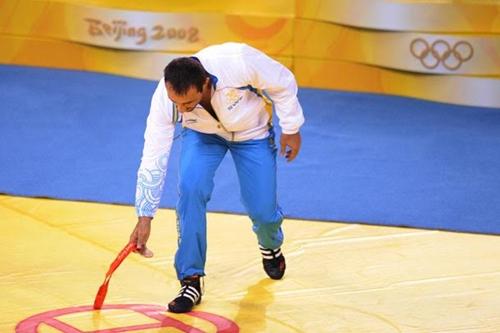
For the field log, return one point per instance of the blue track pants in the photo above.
(255, 162)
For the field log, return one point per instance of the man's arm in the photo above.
(280, 86)
(158, 139)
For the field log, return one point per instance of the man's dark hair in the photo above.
(182, 73)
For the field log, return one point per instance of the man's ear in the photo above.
(206, 85)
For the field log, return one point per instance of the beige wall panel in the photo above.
(67, 55)
(425, 53)
(426, 16)
(135, 30)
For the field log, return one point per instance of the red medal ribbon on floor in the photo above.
(103, 289)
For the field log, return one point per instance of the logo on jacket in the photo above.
(233, 98)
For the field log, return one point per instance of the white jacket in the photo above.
(242, 75)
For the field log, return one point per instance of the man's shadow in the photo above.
(253, 306)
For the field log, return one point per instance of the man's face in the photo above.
(187, 102)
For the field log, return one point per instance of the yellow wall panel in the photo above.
(358, 77)
(254, 7)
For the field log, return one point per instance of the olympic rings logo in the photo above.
(441, 52)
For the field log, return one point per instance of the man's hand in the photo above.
(140, 236)
(292, 141)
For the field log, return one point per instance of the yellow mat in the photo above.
(340, 277)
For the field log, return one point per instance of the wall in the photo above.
(443, 51)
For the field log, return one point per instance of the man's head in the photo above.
(185, 81)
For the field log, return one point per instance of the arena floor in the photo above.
(340, 277)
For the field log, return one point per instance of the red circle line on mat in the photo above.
(157, 312)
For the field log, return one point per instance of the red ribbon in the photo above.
(103, 289)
